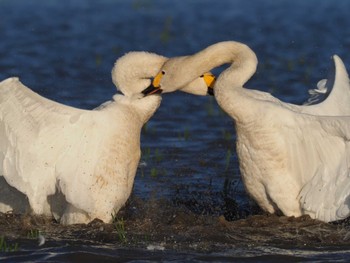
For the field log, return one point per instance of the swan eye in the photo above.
(163, 72)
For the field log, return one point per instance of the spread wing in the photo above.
(332, 95)
(327, 194)
(34, 131)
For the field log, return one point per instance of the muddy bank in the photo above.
(158, 224)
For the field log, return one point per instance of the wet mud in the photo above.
(161, 225)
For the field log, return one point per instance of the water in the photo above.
(105, 254)
(65, 50)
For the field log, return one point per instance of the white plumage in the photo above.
(88, 156)
(294, 159)
(75, 164)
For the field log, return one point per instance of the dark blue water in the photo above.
(65, 50)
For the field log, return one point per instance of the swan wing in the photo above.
(45, 146)
(332, 95)
(324, 86)
(327, 195)
(262, 96)
(33, 132)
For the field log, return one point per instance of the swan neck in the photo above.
(242, 59)
(228, 89)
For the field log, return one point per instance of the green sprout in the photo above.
(5, 247)
(228, 159)
(33, 234)
(154, 172)
(158, 156)
(119, 225)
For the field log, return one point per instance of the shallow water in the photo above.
(65, 50)
(106, 254)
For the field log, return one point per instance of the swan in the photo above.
(293, 159)
(76, 164)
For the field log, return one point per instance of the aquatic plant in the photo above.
(148, 129)
(5, 247)
(144, 128)
(185, 135)
(165, 35)
(33, 233)
(142, 172)
(119, 225)
(228, 159)
(210, 107)
(227, 135)
(36, 234)
(141, 4)
(98, 59)
(146, 153)
(154, 172)
(149, 158)
(158, 155)
(291, 65)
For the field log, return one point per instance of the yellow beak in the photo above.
(209, 79)
(154, 88)
(157, 78)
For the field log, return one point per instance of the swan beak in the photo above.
(151, 89)
(154, 88)
(209, 79)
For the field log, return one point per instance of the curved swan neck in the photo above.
(243, 59)
(228, 86)
(132, 72)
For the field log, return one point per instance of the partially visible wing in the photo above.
(330, 98)
(324, 86)
(332, 95)
(327, 195)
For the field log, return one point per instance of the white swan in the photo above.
(292, 158)
(76, 164)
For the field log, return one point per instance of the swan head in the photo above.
(132, 73)
(140, 74)
(173, 76)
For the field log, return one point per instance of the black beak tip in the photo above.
(147, 90)
(210, 91)
(151, 90)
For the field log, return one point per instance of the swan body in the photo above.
(293, 159)
(90, 157)
(75, 164)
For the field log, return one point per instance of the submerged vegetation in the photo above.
(185, 134)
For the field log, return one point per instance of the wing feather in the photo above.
(326, 195)
(332, 96)
(33, 126)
